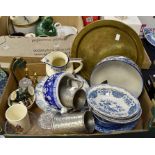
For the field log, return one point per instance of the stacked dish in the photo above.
(114, 108)
(3, 80)
(118, 71)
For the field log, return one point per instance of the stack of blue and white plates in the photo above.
(114, 108)
(3, 80)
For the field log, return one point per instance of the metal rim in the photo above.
(112, 23)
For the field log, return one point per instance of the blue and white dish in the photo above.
(105, 123)
(119, 121)
(3, 80)
(40, 100)
(124, 127)
(118, 71)
(149, 35)
(112, 102)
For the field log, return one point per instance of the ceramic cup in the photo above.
(53, 86)
(29, 35)
(79, 122)
(17, 115)
(64, 31)
(59, 61)
(24, 24)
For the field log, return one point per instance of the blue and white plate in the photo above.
(149, 35)
(120, 121)
(112, 102)
(40, 100)
(3, 80)
(125, 127)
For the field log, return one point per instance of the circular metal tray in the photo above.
(106, 38)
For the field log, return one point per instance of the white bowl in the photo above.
(118, 71)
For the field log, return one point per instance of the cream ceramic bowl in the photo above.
(24, 24)
(13, 103)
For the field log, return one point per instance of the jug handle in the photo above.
(12, 17)
(75, 79)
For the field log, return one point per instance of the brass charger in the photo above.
(105, 38)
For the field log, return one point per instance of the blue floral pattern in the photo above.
(113, 126)
(3, 80)
(50, 90)
(122, 127)
(39, 97)
(119, 120)
(112, 102)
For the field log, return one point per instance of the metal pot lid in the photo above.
(106, 38)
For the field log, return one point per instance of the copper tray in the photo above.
(105, 38)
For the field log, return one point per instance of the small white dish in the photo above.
(12, 103)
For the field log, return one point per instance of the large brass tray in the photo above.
(105, 38)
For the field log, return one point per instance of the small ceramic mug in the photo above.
(59, 61)
(17, 115)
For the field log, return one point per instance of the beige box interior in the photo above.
(12, 85)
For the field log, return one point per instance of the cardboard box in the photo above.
(147, 21)
(36, 47)
(140, 129)
(3, 25)
(132, 21)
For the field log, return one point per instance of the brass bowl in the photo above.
(106, 38)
